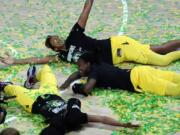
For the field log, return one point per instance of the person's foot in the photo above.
(4, 84)
(31, 75)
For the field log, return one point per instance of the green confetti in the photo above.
(25, 25)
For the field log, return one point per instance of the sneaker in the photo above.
(4, 84)
(31, 75)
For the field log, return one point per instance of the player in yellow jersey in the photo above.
(113, 50)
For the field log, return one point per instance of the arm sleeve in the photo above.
(75, 118)
(83, 118)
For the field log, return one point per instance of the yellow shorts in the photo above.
(151, 80)
(127, 49)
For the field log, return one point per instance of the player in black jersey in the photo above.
(47, 102)
(139, 79)
(113, 50)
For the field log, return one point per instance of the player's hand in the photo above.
(78, 89)
(132, 125)
(6, 60)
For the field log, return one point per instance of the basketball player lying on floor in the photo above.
(63, 116)
(113, 50)
(137, 79)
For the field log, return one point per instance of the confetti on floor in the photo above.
(25, 24)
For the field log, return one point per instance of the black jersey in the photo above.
(78, 43)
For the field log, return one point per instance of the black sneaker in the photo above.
(31, 75)
(4, 84)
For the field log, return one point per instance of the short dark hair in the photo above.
(47, 42)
